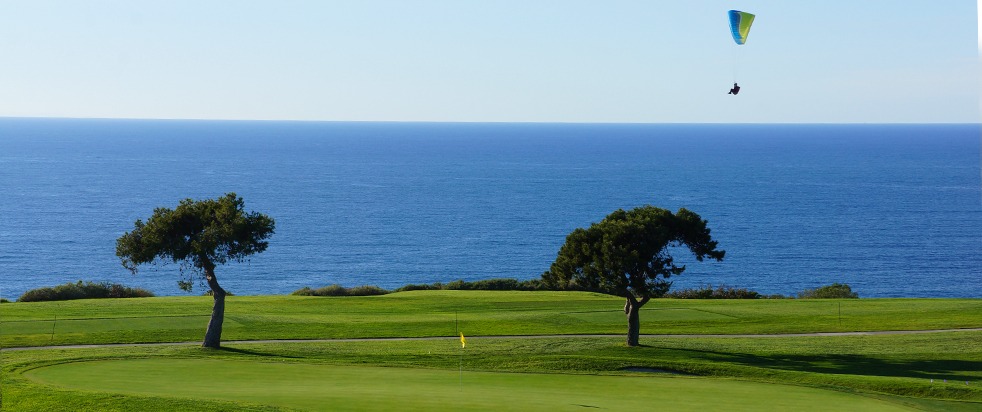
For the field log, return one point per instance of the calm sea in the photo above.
(892, 210)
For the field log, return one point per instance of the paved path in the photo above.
(761, 336)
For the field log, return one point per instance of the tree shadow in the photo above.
(255, 353)
(850, 364)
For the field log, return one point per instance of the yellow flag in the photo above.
(463, 342)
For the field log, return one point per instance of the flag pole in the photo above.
(463, 344)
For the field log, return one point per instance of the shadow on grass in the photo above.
(255, 353)
(848, 364)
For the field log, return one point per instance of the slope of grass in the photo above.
(439, 313)
(894, 368)
(897, 369)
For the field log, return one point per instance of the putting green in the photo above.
(328, 387)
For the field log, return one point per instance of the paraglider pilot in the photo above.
(734, 90)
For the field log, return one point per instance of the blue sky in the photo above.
(502, 60)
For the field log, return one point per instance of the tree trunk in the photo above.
(632, 309)
(213, 337)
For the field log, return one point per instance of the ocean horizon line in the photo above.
(462, 122)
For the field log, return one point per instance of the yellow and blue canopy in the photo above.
(740, 22)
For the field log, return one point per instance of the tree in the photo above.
(628, 255)
(198, 234)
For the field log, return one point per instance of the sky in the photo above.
(645, 61)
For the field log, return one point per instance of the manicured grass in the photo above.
(329, 387)
(895, 369)
(434, 313)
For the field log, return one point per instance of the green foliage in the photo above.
(833, 291)
(338, 290)
(87, 290)
(304, 291)
(719, 292)
(627, 253)
(501, 284)
(413, 287)
(199, 233)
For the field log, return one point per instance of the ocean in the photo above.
(891, 210)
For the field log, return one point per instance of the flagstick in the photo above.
(460, 358)
(460, 362)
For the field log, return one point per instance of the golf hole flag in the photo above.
(463, 342)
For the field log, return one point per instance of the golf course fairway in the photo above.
(331, 387)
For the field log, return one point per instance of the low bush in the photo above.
(80, 290)
(368, 290)
(487, 284)
(338, 290)
(833, 291)
(719, 292)
(331, 290)
(304, 291)
(407, 288)
(776, 296)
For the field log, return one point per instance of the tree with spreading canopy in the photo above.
(198, 234)
(627, 254)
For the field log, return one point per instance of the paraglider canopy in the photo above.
(740, 25)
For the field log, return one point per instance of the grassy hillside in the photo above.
(439, 313)
(880, 372)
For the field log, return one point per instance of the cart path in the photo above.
(686, 336)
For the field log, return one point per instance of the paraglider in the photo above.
(740, 22)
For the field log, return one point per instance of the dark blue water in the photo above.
(892, 210)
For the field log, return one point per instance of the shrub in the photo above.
(487, 284)
(80, 290)
(507, 284)
(304, 291)
(776, 296)
(3, 300)
(338, 290)
(719, 292)
(332, 290)
(407, 288)
(369, 290)
(532, 284)
(833, 291)
(457, 285)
